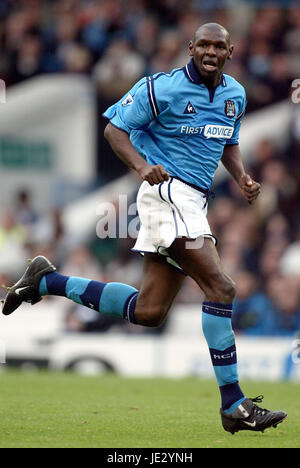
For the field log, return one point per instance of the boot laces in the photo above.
(257, 409)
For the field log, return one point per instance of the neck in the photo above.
(210, 82)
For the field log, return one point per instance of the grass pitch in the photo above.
(65, 410)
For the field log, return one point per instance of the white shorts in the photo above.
(167, 211)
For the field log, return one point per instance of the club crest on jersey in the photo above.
(128, 100)
(189, 108)
(229, 108)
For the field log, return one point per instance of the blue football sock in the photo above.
(217, 329)
(108, 298)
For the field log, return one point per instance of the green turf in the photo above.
(64, 410)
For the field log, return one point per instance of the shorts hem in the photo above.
(165, 256)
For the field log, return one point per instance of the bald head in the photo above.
(210, 50)
(213, 28)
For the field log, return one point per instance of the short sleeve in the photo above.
(234, 140)
(133, 111)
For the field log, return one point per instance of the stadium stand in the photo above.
(116, 42)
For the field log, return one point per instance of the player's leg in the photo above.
(204, 266)
(160, 285)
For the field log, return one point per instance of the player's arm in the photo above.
(123, 148)
(232, 161)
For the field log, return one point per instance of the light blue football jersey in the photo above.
(177, 121)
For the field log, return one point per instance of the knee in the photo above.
(220, 288)
(228, 288)
(150, 317)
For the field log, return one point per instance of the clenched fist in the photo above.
(153, 174)
(249, 188)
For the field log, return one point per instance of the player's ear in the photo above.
(191, 49)
(230, 53)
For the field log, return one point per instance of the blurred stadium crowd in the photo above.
(116, 42)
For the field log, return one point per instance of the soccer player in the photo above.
(173, 129)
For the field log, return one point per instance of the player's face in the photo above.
(210, 51)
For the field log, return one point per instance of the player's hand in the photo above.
(153, 174)
(250, 189)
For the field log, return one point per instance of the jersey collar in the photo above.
(193, 75)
